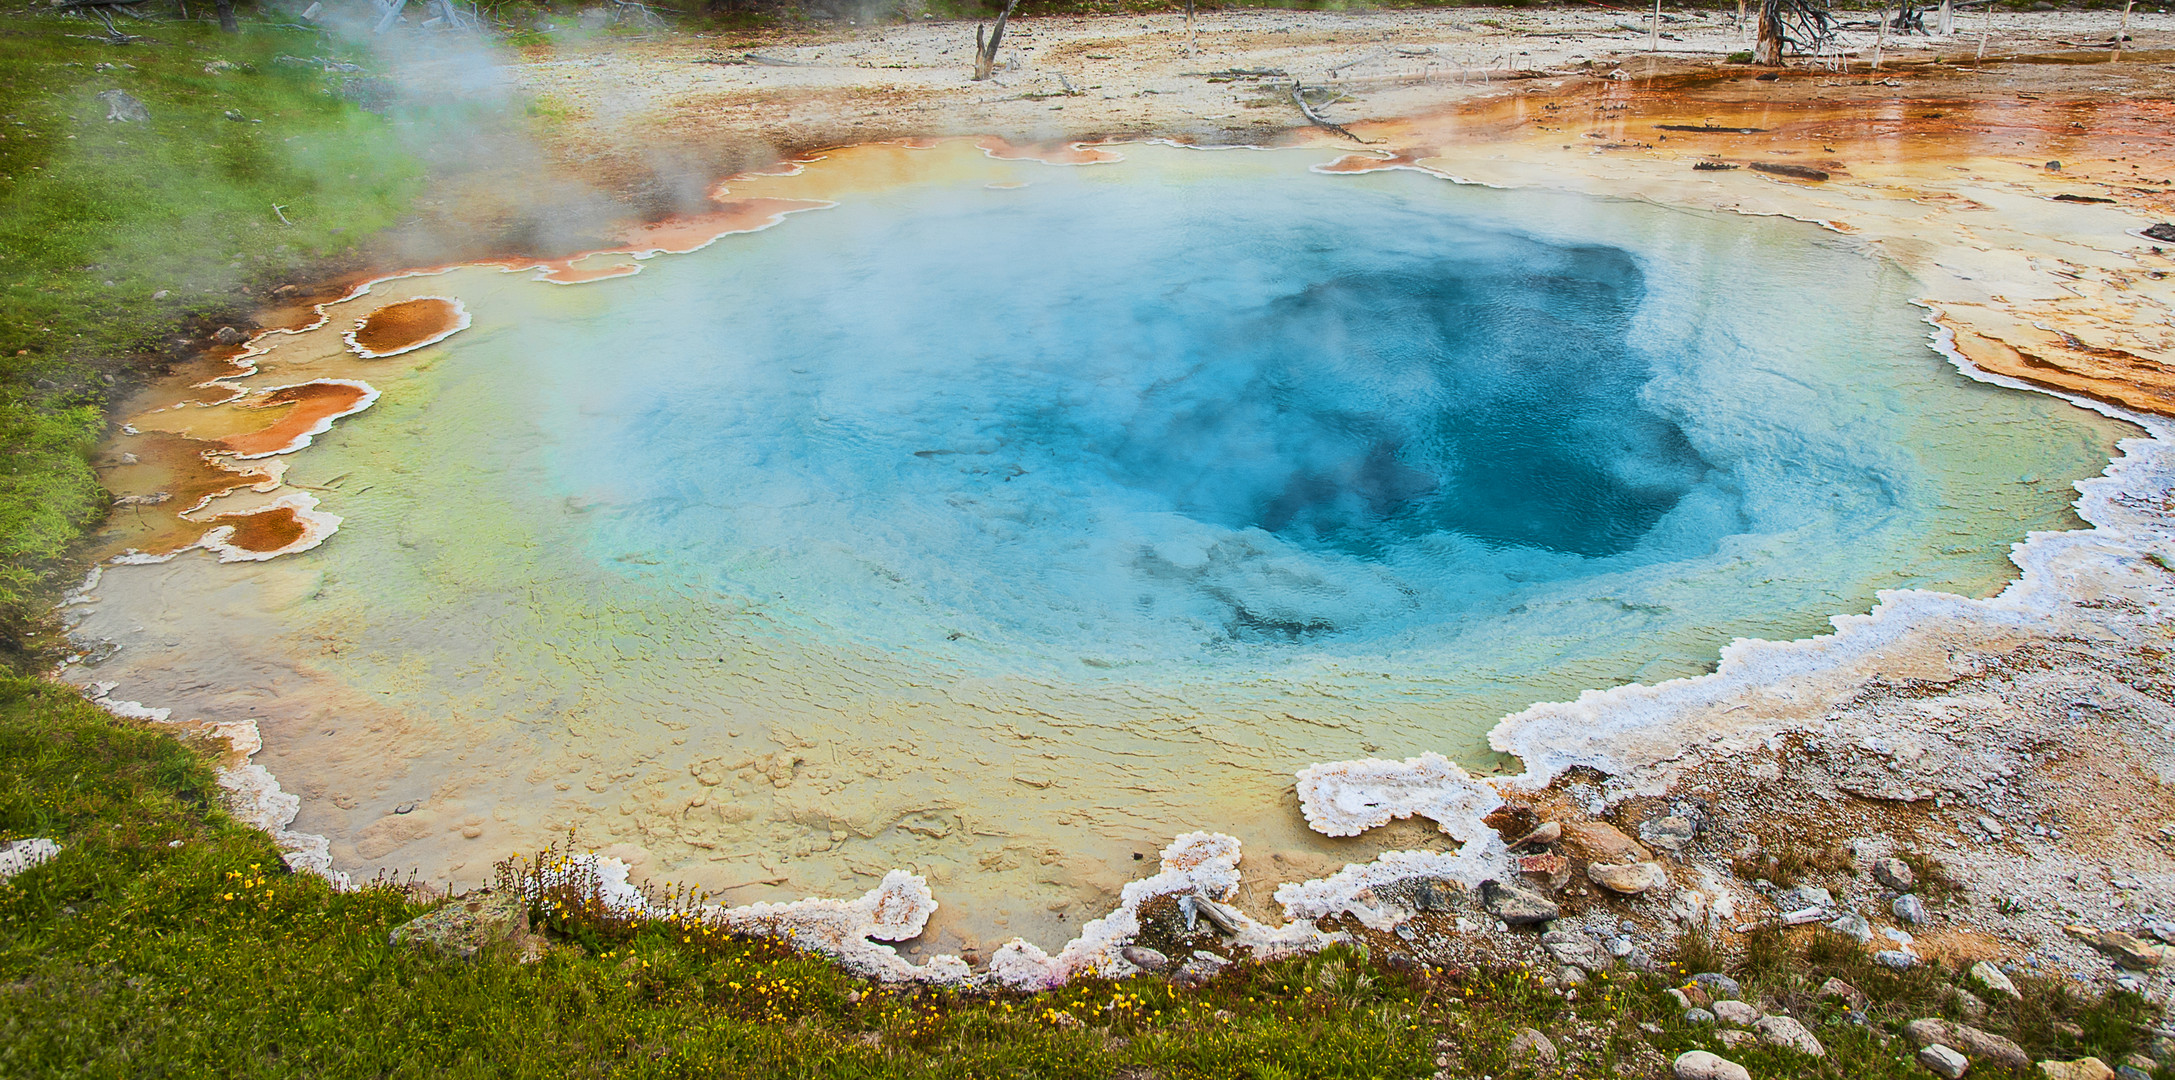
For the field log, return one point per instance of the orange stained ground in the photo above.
(264, 530)
(395, 327)
(303, 407)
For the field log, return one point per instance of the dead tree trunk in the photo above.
(226, 17)
(1189, 26)
(985, 54)
(1768, 51)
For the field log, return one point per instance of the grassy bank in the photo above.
(166, 940)
(120, 240)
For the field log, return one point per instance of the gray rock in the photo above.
(1701, 1065)
(2128, 950)
(2132, 1072)
(1971, 1005)
(1144, 958)
(1838, 990)
(227, 335)
(1896, 958)
(1975, 1044)
(1735, 1039)
(1631, 879)
(1577, 950)
(1738, 1013)
(1670, 833)
(1853, 926)
(1516, 906)
(1200, 967)
(1805, 896)
(1942, 1061)
(1787, 1032)
(1894, 873)
(1718, 985)
(474, 923)
(1698, 1016)
(1993, 980)
(1532, 1049)
(1910, 909)
(2090, 1068)
(123, 106)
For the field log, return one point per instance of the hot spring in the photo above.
(999, 519)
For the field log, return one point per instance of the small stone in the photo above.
(2132, 1072)
(1787, 1032)
(2090, 1068)
(1701, 1065)
(1532, 1049)
(1548, 832)
(1894, 873)
(1993, 980)
(1968, 1003)
(1718, 985)
(1678, 996)
(1738, 1013)
(1516, 906)
(123, 106)
(1735, 1039)
(471, 924)
(1144, 958)
(1545, 864)
(2127, 950)
(1697, 995)
(1577, 950)
(1806, 896)
(1838, 990)
(1989, 826)
(1630, 879)
(1910, 909)
(1942, 1061)
(2140, 1062)
(227, 335)
(1601, 842)
(1895, 958)
(1698, 1016)
(1670, 833)
(1853, 926)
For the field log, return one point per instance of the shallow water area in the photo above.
(1005, 518)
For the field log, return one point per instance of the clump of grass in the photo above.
(117, 239)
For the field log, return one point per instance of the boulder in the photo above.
(1894, 873)
(1854, 927)
(1975, 1044)
(1698, 1016)
(1736, 1039)
(1718, 985)
(1631, 879)
(1786, 1031)
(1601, 842)
(1577, 950)
(2090, 1068)
(1896, 958)
(1736, 1012)
(1942, 1061)
(1701, 1065)
(470, 924)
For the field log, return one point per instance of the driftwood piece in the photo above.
(1299, 98)
(985, 53)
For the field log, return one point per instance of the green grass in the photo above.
(168, 941)
(116, 239)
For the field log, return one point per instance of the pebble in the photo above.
(1942, 1061)
(1895, 958)
(1894, 873)
(1698, 1016)
(1599, 841)
(1548, 832)
(1630, 879)
(1806, 896)
(1993, 980)
(1701, 1065)
(2127, 950)
(1669, 833)
(1577, 950)
(1838, 990)
(1786, 1031)
(1739, 1013)
(1910, 909)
